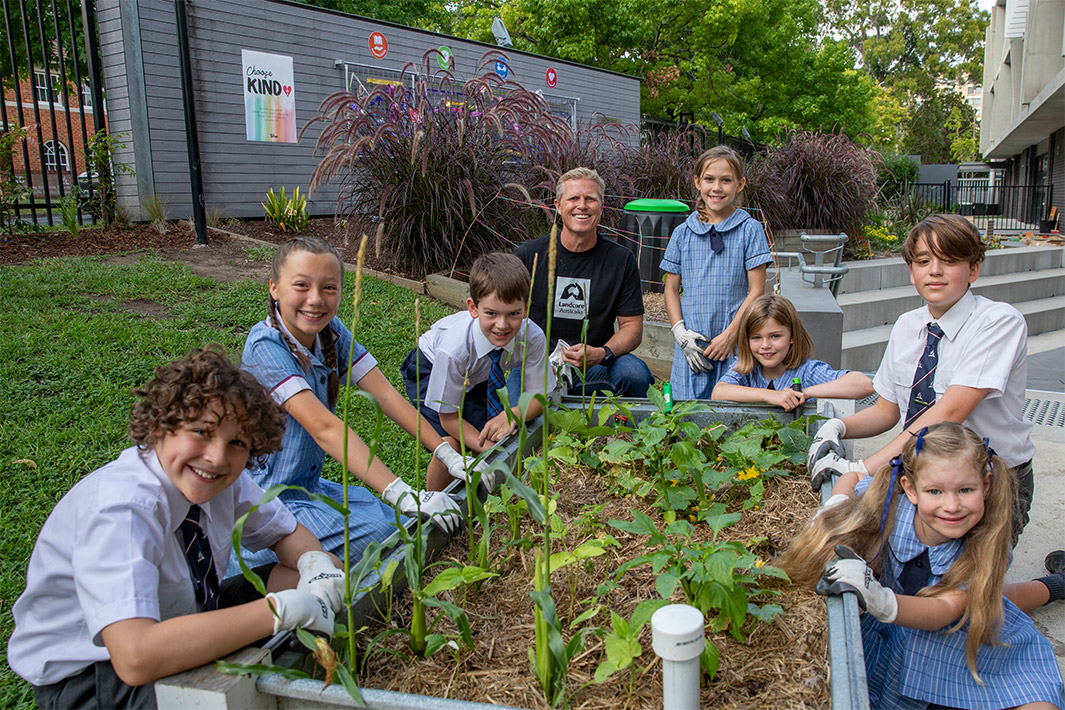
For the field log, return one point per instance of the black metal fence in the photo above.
(1005, 208)
(53, 106)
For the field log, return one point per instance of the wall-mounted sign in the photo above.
(552, 77)
(444, 58)
(502, 69)
(269, 97)
(378, 45)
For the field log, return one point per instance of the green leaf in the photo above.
(348, 681)
(666, 583)
(644, 611)
(586, 615)
(433, 643)
(531, 498)
(708, 660)
(592, 548)
(618, 651)
(259, 669)
(454, 577)
(618, 623)
(765, 612)
(604, 671)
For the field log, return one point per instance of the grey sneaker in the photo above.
(1055, 561)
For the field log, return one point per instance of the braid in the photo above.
(271, 310)
(329, 349)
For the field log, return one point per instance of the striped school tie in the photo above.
(922, 396)
(201, 559)
(496, 380)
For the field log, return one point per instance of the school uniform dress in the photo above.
(811, 372)
(713, 286)
(110, 551)
(299, 461)
(984, 345)
(910, 668)
(451, 366)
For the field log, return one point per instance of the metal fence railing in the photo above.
(1004, 208)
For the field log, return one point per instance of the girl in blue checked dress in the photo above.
(939, 628)
(300, 354)
(715, 267)
(773, 349)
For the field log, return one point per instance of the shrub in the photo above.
(288, 213)
(157, 207)
(444, 166)
(817, 181)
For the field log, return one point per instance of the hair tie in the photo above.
(920, 442)
(990, 453)
(896, 472)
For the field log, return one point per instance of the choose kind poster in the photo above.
(269, 97)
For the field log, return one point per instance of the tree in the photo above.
(44, 52)
(413, 13)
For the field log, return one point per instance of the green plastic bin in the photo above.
(648, 224)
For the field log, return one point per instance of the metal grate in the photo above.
(1045, 412)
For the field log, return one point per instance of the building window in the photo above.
(51, 160)
(40, 87)
(86, 96)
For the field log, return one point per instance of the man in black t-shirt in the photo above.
(594, 278)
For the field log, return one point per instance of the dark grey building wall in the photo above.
(141, 60)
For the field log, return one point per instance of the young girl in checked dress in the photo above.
(300, 355)
(937, 631)
(773, 349)
(719, 256)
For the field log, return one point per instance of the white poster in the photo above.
(269, 97)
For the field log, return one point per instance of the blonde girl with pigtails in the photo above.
(935, 527)
(300, 354)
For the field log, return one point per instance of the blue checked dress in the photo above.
(812, 372)
(910, 668)
(300, 460)
(712, 286)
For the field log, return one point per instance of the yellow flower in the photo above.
(750, 473)
(759, 564)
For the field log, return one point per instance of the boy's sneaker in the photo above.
(1055, 561)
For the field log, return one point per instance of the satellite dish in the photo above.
(499, 31)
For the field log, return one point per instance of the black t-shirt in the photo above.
(603, 282)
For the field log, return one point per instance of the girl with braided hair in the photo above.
(939, 627)
(300, 354)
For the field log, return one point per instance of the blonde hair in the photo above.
(580, 174)
(980, 569)
(718, 152)
(780, 309)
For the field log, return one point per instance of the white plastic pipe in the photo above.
(678, 639)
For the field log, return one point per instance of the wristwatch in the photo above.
(608, 357)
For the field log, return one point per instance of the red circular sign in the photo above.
(378, 45)
(552, 77)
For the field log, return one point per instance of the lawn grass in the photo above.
(80, 333)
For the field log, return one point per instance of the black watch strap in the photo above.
(608, 358)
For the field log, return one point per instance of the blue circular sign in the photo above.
(502, 69)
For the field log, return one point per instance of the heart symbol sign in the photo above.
(287, 90)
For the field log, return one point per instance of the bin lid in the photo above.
(648, 205)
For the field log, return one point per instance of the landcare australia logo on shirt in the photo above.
(571, 297)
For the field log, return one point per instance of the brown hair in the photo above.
(180, 391)
(314, 245)
(782, 311)
(501, 274)
(718, 152)
(580, 174)
(980, 569)
(949, 237)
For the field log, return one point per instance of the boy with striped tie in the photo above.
(960, 358)
(462, 361)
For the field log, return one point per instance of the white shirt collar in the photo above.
(284, 329)
(952, 321)
(175, 499)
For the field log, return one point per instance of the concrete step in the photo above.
(891, 273)
(863, 349)
(869, 309)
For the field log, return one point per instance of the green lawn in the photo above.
(72, 348)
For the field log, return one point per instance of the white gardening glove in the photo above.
(294, 609)
(436, 506)
(697, 361)
(835, 464)
(832, 502)
(462, 467)
(828, 440)
(320, 577)
(563, 370)
(851, 574)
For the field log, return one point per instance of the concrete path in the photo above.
(1046, 362)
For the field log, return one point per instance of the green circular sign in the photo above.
(444, 58)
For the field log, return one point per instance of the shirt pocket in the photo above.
(176, 598)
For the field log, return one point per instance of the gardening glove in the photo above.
(462, 467)
(828, 440)
(320, 577)
(832, 502)
(294, 609)
(564, 370)
(436, 506)
(851, 574)
(833, 463)
(697, 361)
